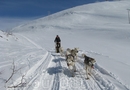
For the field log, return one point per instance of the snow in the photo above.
(100, 30)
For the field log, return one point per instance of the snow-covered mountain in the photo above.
(100, 30)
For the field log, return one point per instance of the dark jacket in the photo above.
(57, 40)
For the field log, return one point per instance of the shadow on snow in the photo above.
(58, 69)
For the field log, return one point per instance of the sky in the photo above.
(21, 11)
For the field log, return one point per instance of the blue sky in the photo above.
(19, 11)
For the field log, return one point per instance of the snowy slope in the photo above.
(100, 30)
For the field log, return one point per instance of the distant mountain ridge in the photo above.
(83, 15)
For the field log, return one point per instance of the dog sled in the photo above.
(57, 47)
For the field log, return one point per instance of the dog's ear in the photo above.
(76, 48)
(92, 58)
(83, 55)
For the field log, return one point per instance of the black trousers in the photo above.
(57, 47)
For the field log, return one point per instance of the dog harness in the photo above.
(70, 55)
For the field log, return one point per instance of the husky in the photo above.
(89, 64)
(61, 51)
(71, 64)
(72, 52)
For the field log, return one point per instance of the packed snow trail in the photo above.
(51, 73)
(57, 77)
(62, 80)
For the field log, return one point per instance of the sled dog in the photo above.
(71, 63)
(72, 52)
(61, 51)
(89, 64)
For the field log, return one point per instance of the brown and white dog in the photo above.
(89, 64)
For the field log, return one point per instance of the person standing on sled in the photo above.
(58, 45)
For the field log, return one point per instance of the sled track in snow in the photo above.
(37, 72)
(89, 84)
(101, 75)
(54, 68)
(100, 81)
(50, 79)
(56, 81)
(97, 80)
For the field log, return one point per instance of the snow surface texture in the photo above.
(100, 30)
